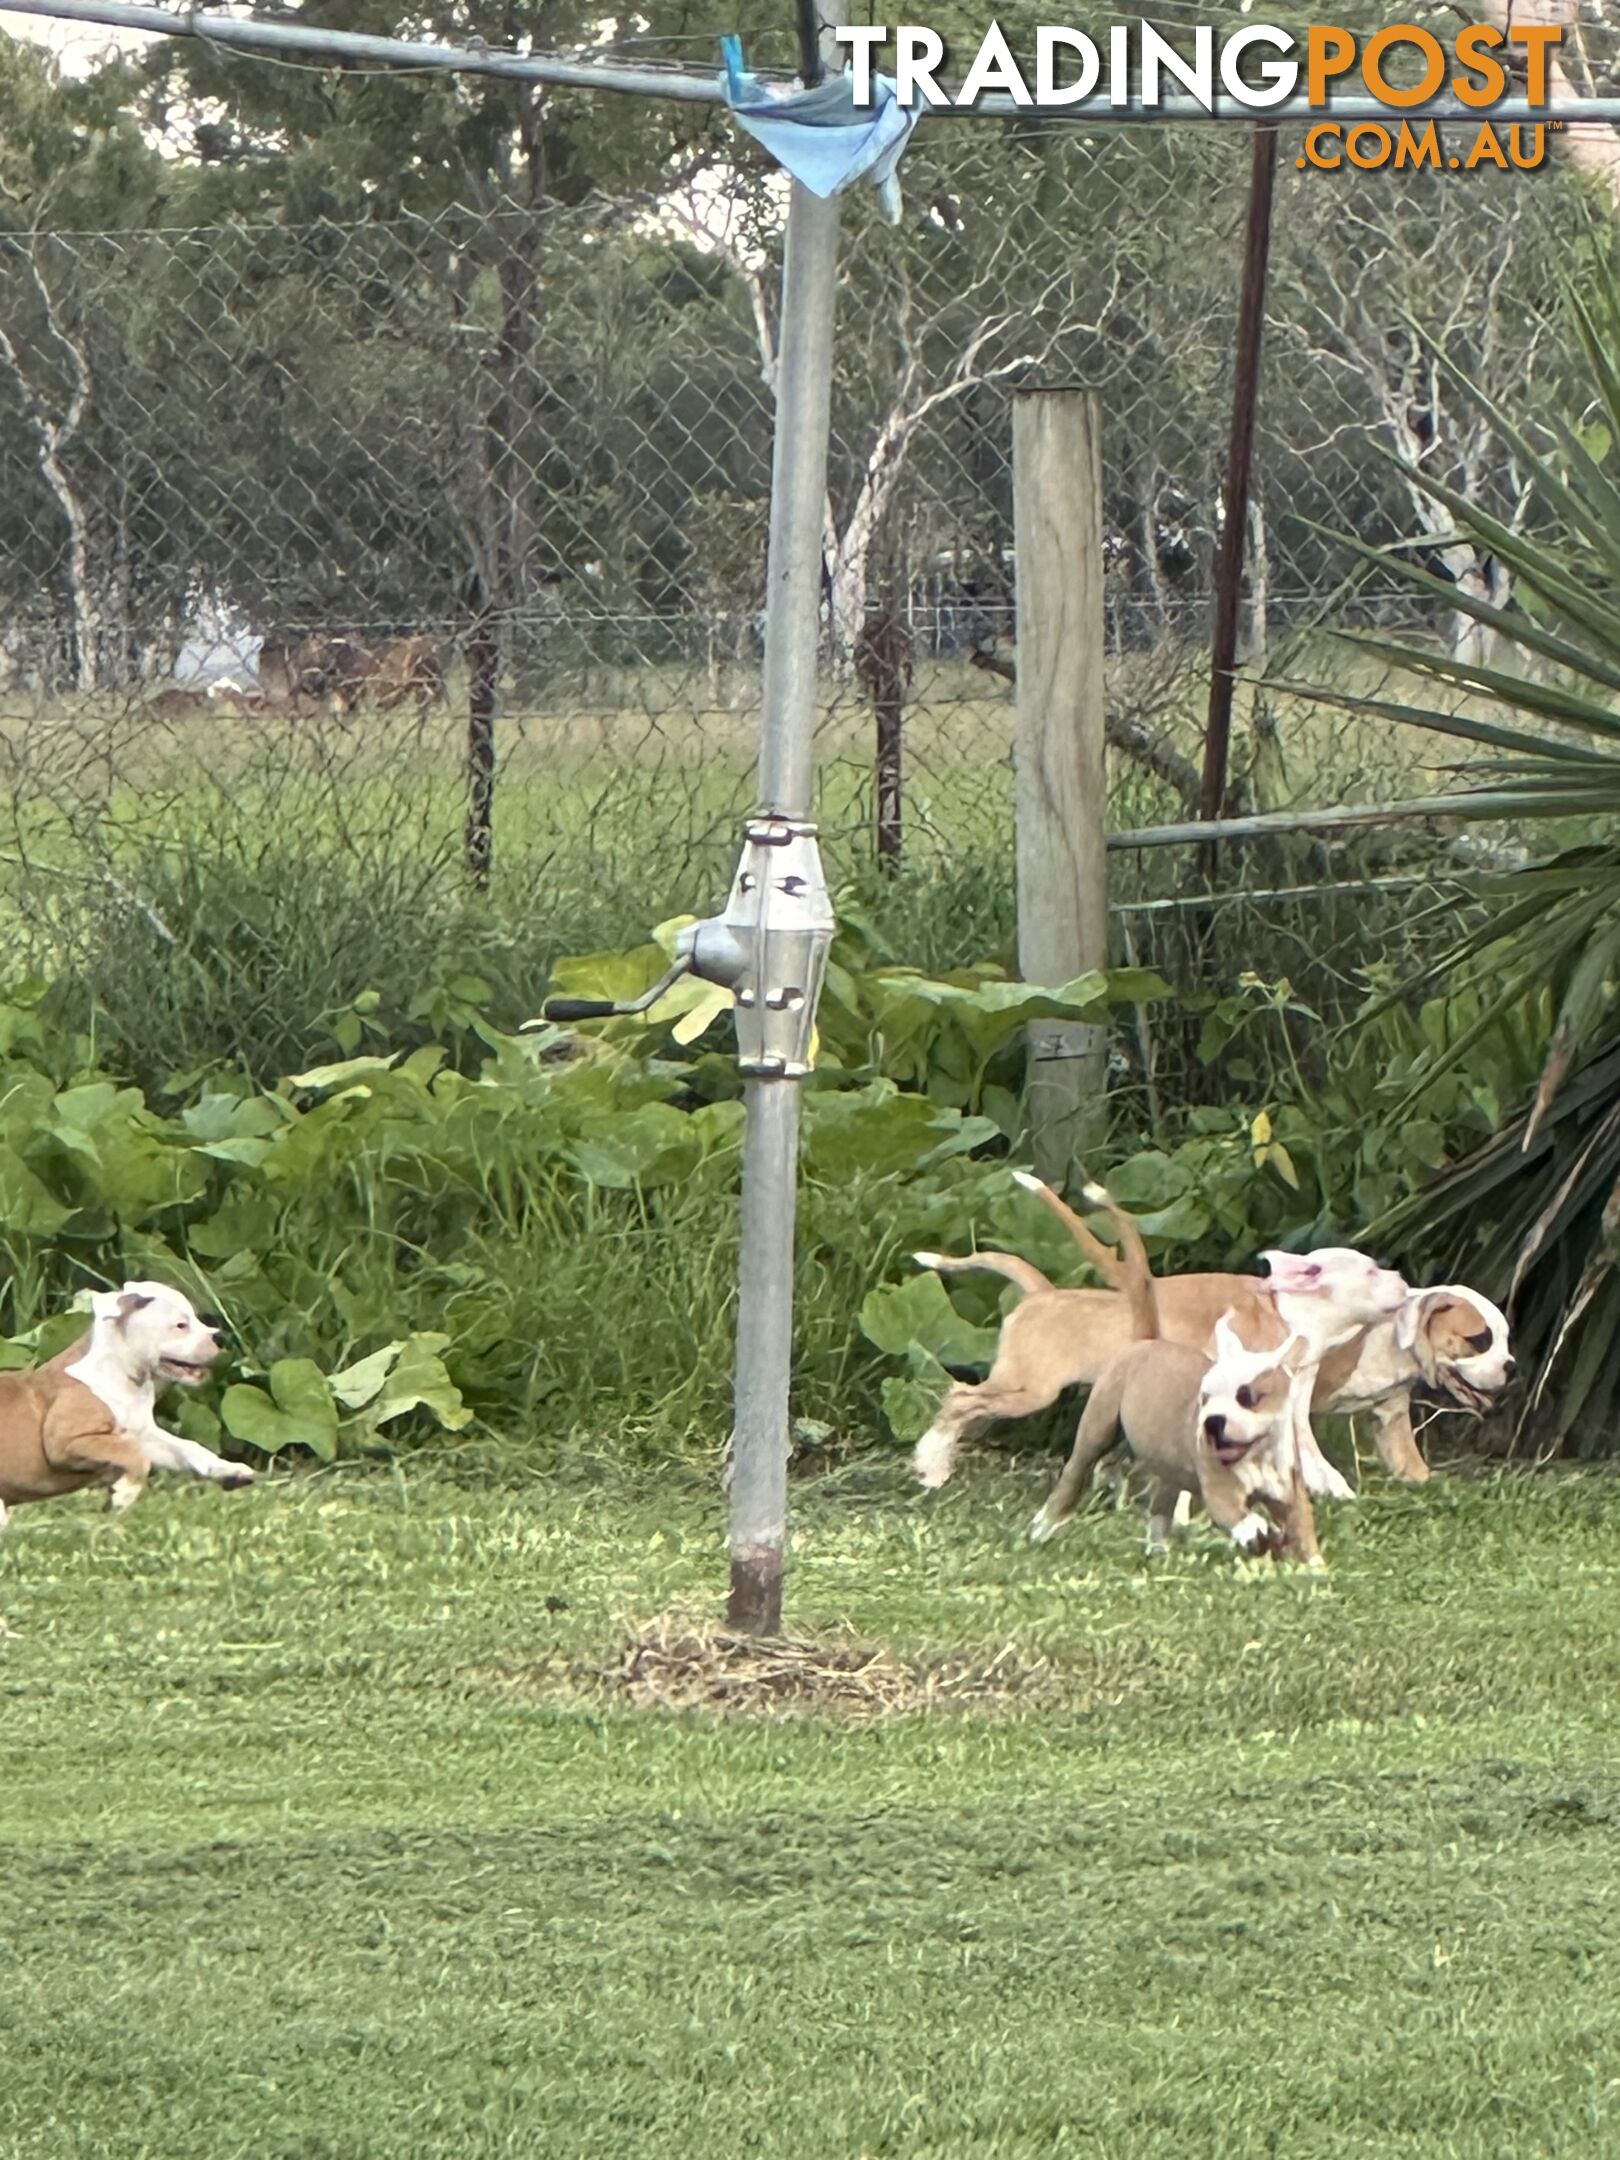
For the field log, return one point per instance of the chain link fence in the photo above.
(340, 530)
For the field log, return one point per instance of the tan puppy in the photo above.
(1057, 1339)
(86, 1418)
(1218, 1429)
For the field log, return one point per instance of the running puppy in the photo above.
(1450, 1340)
(86, 1418)
(1219, 1430)
(1065, 1338)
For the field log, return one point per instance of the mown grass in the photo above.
(314, 1848)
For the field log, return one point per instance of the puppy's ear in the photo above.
(1291, 1272)
(130, 1302)
(1411, 1318)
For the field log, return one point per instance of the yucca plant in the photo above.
(1534, 1215)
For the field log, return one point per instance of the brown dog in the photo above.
(1216, 1428)
(57, 1437)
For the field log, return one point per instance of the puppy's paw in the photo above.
(1044, 1527)
(124, 1493)
(1254, 1534)
(932, 1460)
(237, 1477)
(1315, 1564)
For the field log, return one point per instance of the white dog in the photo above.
(1327, 1298)
(146, 1336)
(1449, 1338)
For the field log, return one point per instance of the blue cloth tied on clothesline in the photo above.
(820, 135)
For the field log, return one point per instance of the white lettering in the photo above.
(994, 68)
(861, 38)
(1197, 75)
(1048, 43)
(1278, 78)
(917, 53)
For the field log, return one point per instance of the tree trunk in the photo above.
(483, 675)
(883, 664)
(502, 575)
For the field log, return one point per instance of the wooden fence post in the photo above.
(1061, 779)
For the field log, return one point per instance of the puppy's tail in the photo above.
(1113, 1265)
(1135, 1277)
(1125, 1269)
(1027, 1278)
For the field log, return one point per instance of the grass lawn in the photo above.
(320, 1841)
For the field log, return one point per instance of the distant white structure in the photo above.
(219, 648)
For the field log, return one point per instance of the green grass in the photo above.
(311, 1854)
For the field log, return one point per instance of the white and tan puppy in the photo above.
(1218, 1430)
(1055, 1339)
(1449, 1338)
(87, 1417)
(77, 1421)
(144, 1337)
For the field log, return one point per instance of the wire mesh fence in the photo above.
(324, 509)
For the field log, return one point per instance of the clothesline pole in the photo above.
(770, 1171)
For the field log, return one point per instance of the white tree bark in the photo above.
(847, 548)
(55, 431)
(1430, 429)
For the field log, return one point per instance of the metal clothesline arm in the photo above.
(682, 85)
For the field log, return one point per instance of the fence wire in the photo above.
(301, 496)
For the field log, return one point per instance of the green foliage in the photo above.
(1534, 1210)
(536, 1233)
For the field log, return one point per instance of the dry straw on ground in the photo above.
(674, 1662)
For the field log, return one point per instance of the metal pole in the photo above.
(348, 47)
(759, 1440)
(1240, 458)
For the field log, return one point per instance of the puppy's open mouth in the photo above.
(1464, 1393)
(173, 1368)
(1228, 1452)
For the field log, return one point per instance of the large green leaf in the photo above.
(896, 1315)
(421, 1381)
(298, 1411)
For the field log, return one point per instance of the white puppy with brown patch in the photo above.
(88, 1416)
(1449, 1339)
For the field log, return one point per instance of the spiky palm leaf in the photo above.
(1535, 1215)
